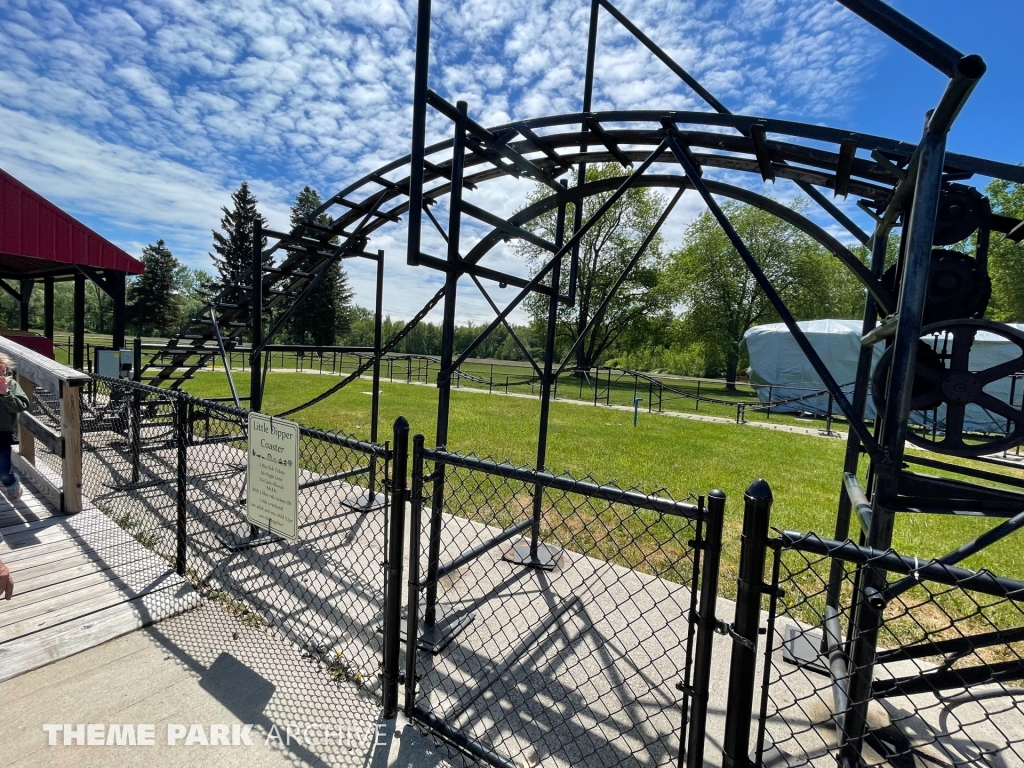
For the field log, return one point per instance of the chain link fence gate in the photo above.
(170, 470)
(946, 683)
(556, 621)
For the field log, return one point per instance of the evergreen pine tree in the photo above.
(234, 246)
(153, 299)
(325, 314)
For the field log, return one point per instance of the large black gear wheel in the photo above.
(947, 379)
(958, 287)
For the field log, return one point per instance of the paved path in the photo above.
(201, 668)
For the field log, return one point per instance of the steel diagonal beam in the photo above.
(833, 210)
(543, 146)
(394, 342)
(493, 141)
(907, 33)
(683, 75)
(577, 236)
(599, 312)
(224, 356)
(598, 130)
(510, 229)
(508, 326)
(825, 204)
(780, 306)
(302, 297)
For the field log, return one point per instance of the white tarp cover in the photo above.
(779, 370)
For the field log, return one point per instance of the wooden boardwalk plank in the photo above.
(85, 632)
(80, 580)
(72, 604)
(55, 584)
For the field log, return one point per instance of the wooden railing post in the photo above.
(71, 431)
(26, 440)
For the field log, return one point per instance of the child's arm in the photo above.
(12, 396)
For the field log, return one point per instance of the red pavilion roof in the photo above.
(36, 236)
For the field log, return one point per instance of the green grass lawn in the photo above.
(682, 456)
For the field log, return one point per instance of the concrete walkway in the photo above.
(200, 670)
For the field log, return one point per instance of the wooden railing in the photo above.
(38, 372)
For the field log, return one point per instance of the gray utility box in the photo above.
(114, 363)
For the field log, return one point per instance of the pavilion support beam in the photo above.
(26, 298)
(48, 307)
(78, 325)
(117, 286)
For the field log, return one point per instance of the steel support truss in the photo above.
(901, 186)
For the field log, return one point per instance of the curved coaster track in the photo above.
(926, 310)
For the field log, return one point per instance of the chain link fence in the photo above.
(945, 682)
(557, 619)
(170, 470)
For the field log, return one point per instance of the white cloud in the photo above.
(142, 115)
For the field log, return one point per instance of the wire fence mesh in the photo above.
(577, 665)
(170, 470)
(947, 678)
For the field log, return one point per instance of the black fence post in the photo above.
(135, 424)
(413, 613)
(757, 506)
(396, 547)
(706, 622)
(180, 441)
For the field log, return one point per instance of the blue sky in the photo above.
(141, 117)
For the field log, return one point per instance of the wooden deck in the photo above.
(78, 582)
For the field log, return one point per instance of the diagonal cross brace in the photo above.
(766, 285)
(599, 312)
(576, 238)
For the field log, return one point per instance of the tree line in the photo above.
(683, 309)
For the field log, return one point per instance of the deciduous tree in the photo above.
(1005, 257)
(604, 252)
(720, 296)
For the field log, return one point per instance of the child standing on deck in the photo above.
(12, 402)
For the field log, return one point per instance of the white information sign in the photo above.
(272, 476)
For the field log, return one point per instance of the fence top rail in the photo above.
(43, 371)
(568, 484)
(242, 415)
(344, 441)
(982, 581)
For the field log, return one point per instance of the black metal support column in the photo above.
(48, 308)
(256, 358)
(581, 171)
(756, 519)
(706, 621)
(534, 554)
(78, 324)
(377, 331)
(116, 281)
(396, 549)
(444, 381)
(371, 488)
(26, 298)
(419, 132)
(413, 610)
(181, 443)
(860, 395)
(913, 292)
